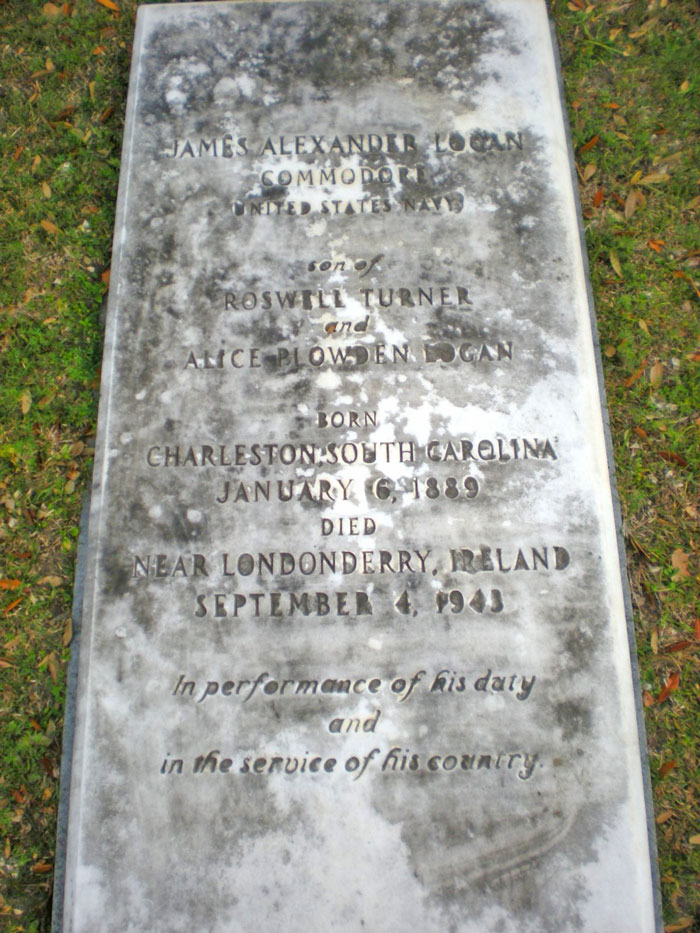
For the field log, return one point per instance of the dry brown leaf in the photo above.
(679, 560)
(53, 668)
(51, 580)
(589, 171)
(10, 584)
(10, 606)
(615, 263)
(656, 375)
(68, 633)
(655, 178)
(683, 923)
(17, 153)
(42, 867)
(110, 4)
(76, 449)
(694, 840)
(645, 327)
(610, 351)
(631, 203)
(51, 10)
(25, 401)
(664, 817)
(655, 641)
(667, 768)
(591, 143)
(45, 189)
(49, 227)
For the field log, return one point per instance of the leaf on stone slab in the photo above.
(656, 374)
(679, 561)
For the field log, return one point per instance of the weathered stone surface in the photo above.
(355, 652)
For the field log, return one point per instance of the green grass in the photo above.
(632, 81)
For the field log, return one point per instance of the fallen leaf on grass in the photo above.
(671, 456)
(679, 560)
(667, 768)
(647, 699)
(25, 402)
(696, 626)
(630, 381)
(17, 153)
(13, 605)
(640, 432)
(655, 641)
(615, 263)
(99, 50)
(106, 114)
(672, 684)
(677, 646)
(694, 840)
(589, 171)
(656, 375)
(51, 10)
(42, 867)
(49, 227)
(643, 324)
(610, 351)
(631, 203)
(110, 4)
(45, 189)
(655, 178)
(664, 817)
(68, 633)
(10, 584)
(51, 580)
(591, 143)
(598, 197)
(684, 923)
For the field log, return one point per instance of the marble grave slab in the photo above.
(355, 652)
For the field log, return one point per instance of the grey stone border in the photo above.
(617, 511)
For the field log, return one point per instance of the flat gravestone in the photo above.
(355, 651)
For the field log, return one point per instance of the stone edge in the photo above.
(617, 511)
